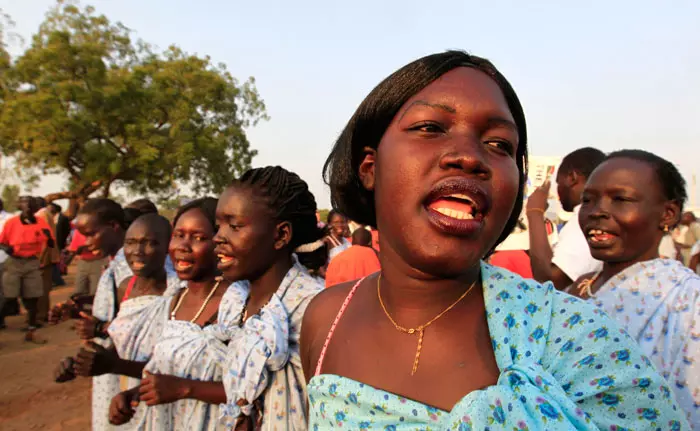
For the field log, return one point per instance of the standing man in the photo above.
(48, 260)
(686, 235)
(24, 238)
(571, 258)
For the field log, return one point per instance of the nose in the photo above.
(467, 155)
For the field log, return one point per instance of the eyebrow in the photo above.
(496, 122)
(446, 108)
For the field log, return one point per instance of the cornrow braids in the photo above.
(289, 199)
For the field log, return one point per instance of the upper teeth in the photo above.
(595, 232)
(461, 215)
(462, 197)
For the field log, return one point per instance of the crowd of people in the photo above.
(403, 310)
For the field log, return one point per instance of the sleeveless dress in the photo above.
(564, 364)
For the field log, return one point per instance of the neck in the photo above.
(412, 297)
(202, 287)
(262, 288)
(153, 282)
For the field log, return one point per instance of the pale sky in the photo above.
(612, 75)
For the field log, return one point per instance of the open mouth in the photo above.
(599, 237)
(457, 206)
(183, 265)
(137, 266)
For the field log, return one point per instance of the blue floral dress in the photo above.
(565, 365)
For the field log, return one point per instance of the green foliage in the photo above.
(323, 214)
(87, 101)
(10, 195)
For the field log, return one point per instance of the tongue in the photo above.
(451, 205)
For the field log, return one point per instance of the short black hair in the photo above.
(362, 236)
(376, 112)
(206, 205)
(145, 206)
(158, 222)
(106, 210)
(672, 182)
(289, 199)
(584, 161)
(56, 206)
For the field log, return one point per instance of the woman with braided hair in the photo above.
(266, 219)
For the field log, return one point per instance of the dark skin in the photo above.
(338, 226)
(569, 188)
(192, 253)
(104, 238)
(632, 214)
(457, 127)
(252, 245)
(145, 249)
(28, 206)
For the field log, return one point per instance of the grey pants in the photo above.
(89, 272)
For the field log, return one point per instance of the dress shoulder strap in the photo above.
(129, 288)
(333, 326)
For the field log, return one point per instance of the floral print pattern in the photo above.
(658, 303)
(557, 373)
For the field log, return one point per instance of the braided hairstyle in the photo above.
(289, 199)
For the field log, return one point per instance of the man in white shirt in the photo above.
(571, 257)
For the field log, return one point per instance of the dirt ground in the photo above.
(29, 399)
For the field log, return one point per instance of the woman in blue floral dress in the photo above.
(436, 158)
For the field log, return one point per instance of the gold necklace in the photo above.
(201, 309)
(420, 329)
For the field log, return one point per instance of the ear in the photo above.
(283, 235)
(366, 169)
(671, 215)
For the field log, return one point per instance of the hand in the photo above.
(64, 371)
(122, 407)
(94, 362)
(537, 202)
(86, 326)
(161, 389)
(61, 312)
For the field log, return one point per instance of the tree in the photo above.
(10, 196)
(86, 101)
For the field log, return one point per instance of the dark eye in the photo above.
(427, 127)
(501, 145)
(234, 226)
(622, 199)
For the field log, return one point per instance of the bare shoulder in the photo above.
(325, 306)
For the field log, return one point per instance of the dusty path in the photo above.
(29, 399)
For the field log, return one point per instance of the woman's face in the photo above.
(145, 248)
(249, 237)
(623, 211)
(339, 225)
(445, 177)
(192, 246)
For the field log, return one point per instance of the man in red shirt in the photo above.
(355, 263)
(23, 238)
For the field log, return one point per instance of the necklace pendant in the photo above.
(411, 331)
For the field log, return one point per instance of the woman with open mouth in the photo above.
(630, 201)
(266, 218)
(436, 158)
(182, 384)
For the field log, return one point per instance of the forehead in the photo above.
(241, 202)
(149, 229)
(465, 89)
(624, 172)
(85, 220)
(193, 218)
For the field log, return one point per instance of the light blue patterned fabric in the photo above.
(261, 359)
(658, 303)
(106, 386)
(564, 365)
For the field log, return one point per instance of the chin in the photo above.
(451, 262)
